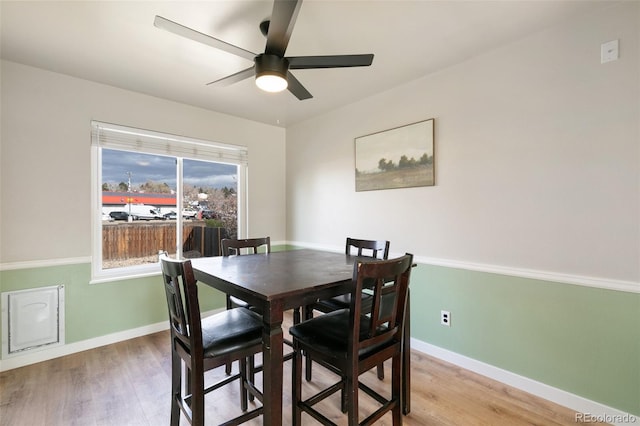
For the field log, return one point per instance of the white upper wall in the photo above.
(45, 207)
(537, 159)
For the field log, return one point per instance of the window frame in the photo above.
(158, 143)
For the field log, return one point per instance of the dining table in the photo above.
(274, 283)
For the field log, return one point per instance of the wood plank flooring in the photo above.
(128, 384)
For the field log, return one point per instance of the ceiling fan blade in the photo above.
(297, 88)
(283, 18)
(331, 61)
(181, 30)
(234, 78)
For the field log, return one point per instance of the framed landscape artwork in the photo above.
(396, 158)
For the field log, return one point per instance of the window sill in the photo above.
(130, 273)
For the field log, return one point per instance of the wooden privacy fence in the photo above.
(125, 240)
(204, 241)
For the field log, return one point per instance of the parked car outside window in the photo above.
(119, 215)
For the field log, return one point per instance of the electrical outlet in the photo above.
(445, 318)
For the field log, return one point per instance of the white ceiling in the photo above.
(116, 43)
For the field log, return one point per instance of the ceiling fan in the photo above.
(271, 68)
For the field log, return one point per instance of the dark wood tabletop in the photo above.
(291, 277)
(274, 283)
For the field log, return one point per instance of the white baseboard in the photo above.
(589, 410)
(45, 354)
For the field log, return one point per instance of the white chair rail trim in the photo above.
(557, 277)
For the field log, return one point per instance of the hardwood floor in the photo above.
(128, 384)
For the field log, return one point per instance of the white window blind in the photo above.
(113, 136)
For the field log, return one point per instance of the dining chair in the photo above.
(202, 344)
(231, 247)
(251, 246)
(234, 246)
(352, 341)
(378, 249)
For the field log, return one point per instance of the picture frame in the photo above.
(401, 157)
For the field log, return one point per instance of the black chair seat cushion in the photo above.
(230, 330)
(343, 302)
(329, 333)
(238, 303)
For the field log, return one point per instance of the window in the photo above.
(152, 190)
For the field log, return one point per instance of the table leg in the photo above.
(272, 340)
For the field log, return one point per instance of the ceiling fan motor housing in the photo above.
(271, 65)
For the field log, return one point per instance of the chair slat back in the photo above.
(370, 248)
(182, 301)
(233, 246)
(389, 282)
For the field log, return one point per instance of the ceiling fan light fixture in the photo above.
(271, 83)
(271, 73)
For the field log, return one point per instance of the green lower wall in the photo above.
(583, 340)
(94, 310)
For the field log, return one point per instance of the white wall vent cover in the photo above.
(32, 320)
